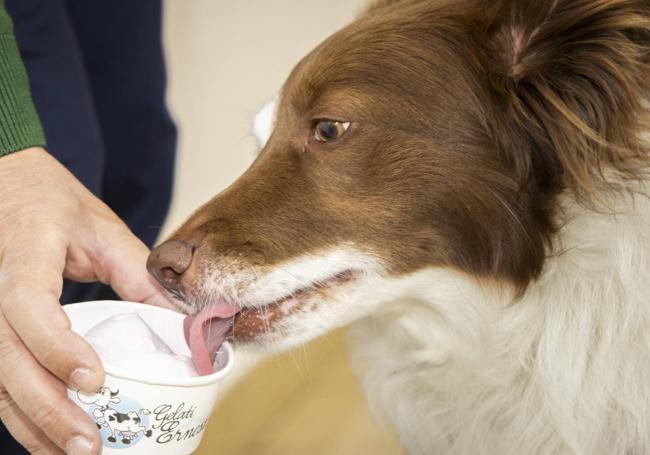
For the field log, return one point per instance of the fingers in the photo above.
(42, 409)
(30, 285)
(22, 429)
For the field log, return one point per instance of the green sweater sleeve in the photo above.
(20, 127)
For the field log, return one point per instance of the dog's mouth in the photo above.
(206, 330)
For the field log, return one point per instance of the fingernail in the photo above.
(83, 379)
(79, 446)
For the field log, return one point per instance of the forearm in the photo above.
(20, 127)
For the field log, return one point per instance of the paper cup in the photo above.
(142, 415)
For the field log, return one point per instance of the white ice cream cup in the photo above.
(143, 415)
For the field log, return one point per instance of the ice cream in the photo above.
(127, 342)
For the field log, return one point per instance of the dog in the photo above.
(462, 183)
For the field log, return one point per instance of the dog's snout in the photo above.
(168, 261)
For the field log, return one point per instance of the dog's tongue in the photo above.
(205, 332)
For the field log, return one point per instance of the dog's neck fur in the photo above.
(459, 368)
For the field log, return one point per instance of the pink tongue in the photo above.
(205, 332)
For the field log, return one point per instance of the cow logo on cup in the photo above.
(122, 421)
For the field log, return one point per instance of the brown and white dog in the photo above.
(464, 183)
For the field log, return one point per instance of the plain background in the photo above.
(225, 60)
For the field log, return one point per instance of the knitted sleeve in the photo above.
(20, 127)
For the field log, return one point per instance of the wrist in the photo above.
(18, 156)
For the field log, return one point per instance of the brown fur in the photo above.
(469, 118)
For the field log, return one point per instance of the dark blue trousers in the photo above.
(97, 75)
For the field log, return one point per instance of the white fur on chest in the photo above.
(459, 369)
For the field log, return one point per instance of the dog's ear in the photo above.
(568, 78)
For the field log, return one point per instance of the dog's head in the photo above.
(428, 134)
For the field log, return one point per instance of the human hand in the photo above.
(52, 227)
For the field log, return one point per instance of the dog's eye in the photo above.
(330, 130)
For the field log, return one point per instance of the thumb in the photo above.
(122, 265)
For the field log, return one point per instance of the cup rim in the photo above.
(181, 382)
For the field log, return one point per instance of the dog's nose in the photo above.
(168, 261)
